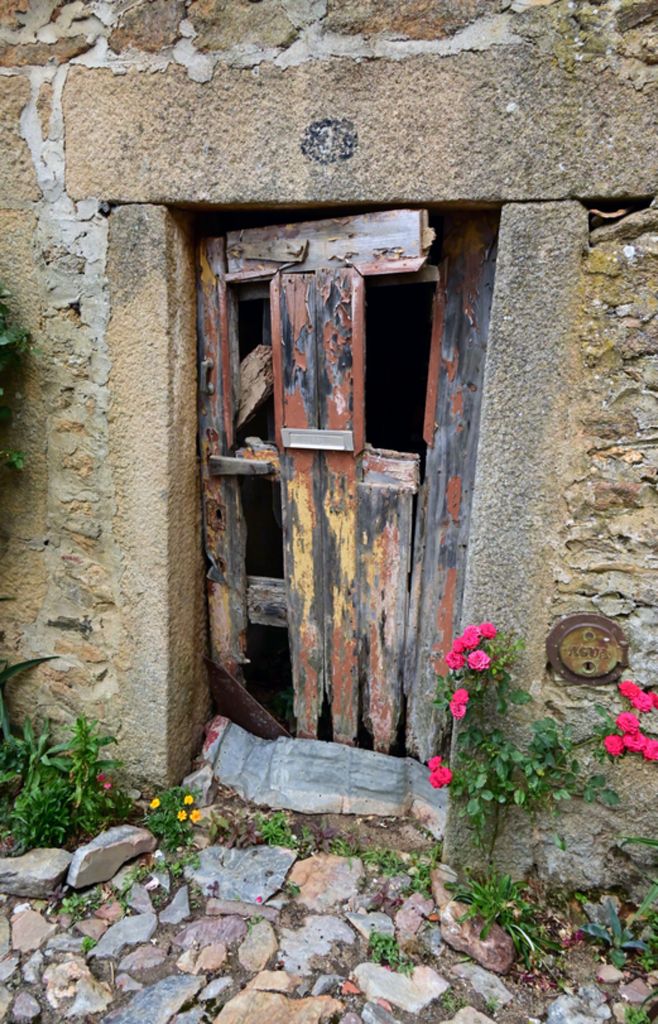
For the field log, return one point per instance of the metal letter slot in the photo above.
(324, 440)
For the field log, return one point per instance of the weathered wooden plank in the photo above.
(224, 530)
(341, 369)
(438, 325)
(256, 382)
(228, 465)
(398, 469)
(296, 405)
(445, 499)
(428, 274)
(385, 518)
(389, 241)
(234, 701)
(267, 601)
(258, 451)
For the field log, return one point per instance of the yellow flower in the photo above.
(188, 799)
(155, 803)
(182, 815)
(195, 816)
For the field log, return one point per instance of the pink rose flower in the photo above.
(654, 698)
(440, 778)
(454, 660)
(479, 661)
(487, 630)
(458, 645)
(107, 785)
(470, 637)
(259, 899)
(627, 722)
(434, 763)
(642, 701)
(635, 741)
(651, 750)
(614, 744)
(628, 689)
(460, 696)
(458, 710)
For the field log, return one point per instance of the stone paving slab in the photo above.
(314, 777)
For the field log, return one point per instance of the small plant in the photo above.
(615, 935)
(496, 899)
(452, 1003)
(384, 950)
(636, 1015)
(387, 862)
(291, 889)
(275, 830)
(87, 944)
(79, 905)
(171, 817)
(42, 816)
(96, 800)
(7, 672)
(186, 860)
(491, 1005)
(420, 871)
(342, 846)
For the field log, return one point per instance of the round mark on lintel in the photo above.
(330, 140)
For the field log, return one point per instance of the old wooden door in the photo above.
(347, 508)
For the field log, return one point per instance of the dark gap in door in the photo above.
(398, 336)
(268, 672)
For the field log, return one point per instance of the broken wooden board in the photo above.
(256, 382)
(230, 465)
(441, 538)
(385, 523)
(223, 522)
(267, 602)
(388, 242)
(340, 311)
(296, 404)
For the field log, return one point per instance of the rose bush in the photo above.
(490, 772)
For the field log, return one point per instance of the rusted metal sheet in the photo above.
(452, 421)
(224, 529)
(385, 519)
(234, 701)
(296, 405)
(386, 242)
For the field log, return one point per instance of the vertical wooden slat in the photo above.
(385, 525)
(224, 530)
(445, 500)
(296, 405)
(340, 351)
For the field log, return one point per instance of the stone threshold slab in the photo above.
(314, 777)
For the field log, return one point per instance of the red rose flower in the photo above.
(479, 661)
(614, 744)
(454, 660)
(635, 741)
(470, 637)
(627, 722)
(487, 630)
(651, 750)
(642, 701)
(628, 689)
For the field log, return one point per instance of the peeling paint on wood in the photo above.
(388, 241)
(224, 527)
(451, 430)
(385, 522)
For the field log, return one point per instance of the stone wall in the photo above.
(115, 114)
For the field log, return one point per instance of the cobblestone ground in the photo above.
(237, 933)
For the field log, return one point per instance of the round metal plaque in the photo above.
(587, 648)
